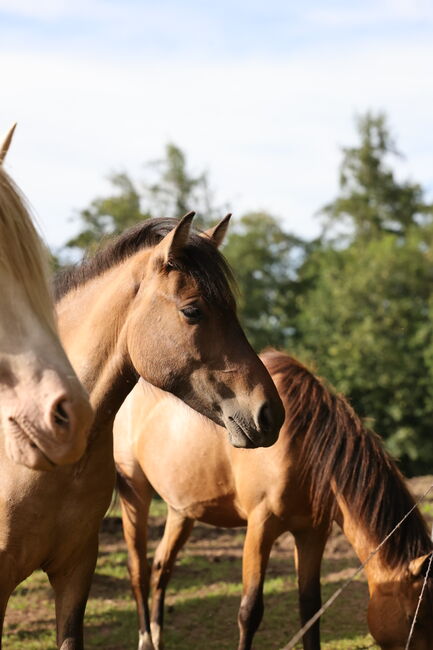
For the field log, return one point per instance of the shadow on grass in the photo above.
(209, 619)
(113, 628)
(103, 585)
(202, 602)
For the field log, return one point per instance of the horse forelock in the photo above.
(338, 454)
(22, 255)
(200, 259)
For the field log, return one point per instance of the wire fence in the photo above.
(298, 636)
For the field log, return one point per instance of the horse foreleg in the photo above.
(71, 583)
(176, 532)
(7, 585)
(3, 603)
(309, 547)
(135, 501)
(261, 534)
(9, 579)
(2, 617)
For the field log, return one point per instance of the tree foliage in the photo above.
(371, 200)
(169, 190)
(109, 215)
(176, 191)
(264, 258)
(366, 317)
(367, 323)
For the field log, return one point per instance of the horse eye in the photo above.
(192, 313)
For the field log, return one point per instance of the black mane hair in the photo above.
(200, 259)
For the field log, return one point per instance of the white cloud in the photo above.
(371, 13)
(98, 23)
(411, 9)
(43, 9)
(268, 131)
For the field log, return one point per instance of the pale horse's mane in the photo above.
(23, 257)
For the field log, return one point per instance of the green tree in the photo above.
(365, 317)
(367, 323)
(265, 258)
(170, 190)
(176, 190)
(371, 200)
(109, 215)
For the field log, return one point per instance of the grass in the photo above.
(203, 596)
(216, 607)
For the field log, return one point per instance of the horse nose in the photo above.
(269, 421)
(264, 418)
(61, 416)
(68, 420)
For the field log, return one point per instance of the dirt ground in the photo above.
(204, 593)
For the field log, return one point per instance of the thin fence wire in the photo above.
(298, 636)
(412, 627)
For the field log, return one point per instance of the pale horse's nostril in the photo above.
(264, 418)
(61, 414)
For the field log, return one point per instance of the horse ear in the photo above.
(218, 232)
(420, 565)
(170, 246)
(6, 143)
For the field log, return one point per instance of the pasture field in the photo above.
(203, 596)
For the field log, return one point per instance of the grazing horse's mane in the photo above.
(200, 259)
(22, 254)
(339, 454)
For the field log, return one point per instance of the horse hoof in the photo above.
(145, 642)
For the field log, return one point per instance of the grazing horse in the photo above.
(45, 414)
(156, 302)
(326, 466)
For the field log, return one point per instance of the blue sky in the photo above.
(262, 94)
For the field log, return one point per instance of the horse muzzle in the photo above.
(43, 441)
(247, 431)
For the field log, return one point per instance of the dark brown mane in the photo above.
(337, 449)
(201, 260)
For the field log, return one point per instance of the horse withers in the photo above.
(326, 466)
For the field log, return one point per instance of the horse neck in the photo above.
(92, 321)
(358, 534)
(382, 508)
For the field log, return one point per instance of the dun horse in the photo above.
(156, 302)
(44, 412)
(325, 466)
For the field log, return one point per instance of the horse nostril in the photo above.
(264, 418)
(60, 414)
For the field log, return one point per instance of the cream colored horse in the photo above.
(45, 414)
(325, 466)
